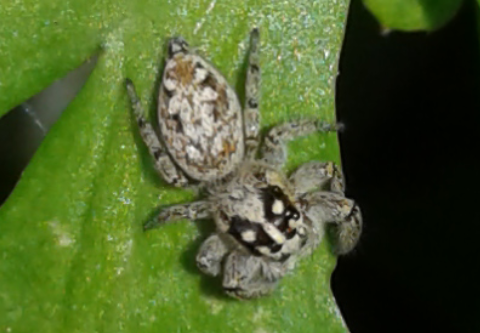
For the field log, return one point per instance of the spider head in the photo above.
(266, 220)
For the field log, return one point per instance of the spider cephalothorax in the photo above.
(257, 208)
(265, 221)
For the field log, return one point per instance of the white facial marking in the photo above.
(248, 236)
(278, 207)
(274, 233)
(292, 223)
(263, 250)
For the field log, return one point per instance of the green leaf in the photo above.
(410, 15)
(43, 41)
(74, 257)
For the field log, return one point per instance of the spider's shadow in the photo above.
(210, 286)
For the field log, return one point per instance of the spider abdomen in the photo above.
(200, 116)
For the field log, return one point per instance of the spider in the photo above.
(265, 221)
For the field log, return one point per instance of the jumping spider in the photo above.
(265, 221)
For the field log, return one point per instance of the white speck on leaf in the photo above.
(199, 24)
(215, 306)
(260, 315)
(260, 330)
(64, 238)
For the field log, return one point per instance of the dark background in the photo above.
(410, 102)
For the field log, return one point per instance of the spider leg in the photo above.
(252, 91)
(333, 208)
(192, 211)
(274, 150)
(211, 254)
(317, 175)
(246, 276)
(163, 163)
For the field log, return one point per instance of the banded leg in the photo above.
(274, 147)
(317, 175)
(192, 211)
(333, 208)
(246, 276)
(211, 254)
(163, 163)
(252, 91)
(347, 234)
(338, 181)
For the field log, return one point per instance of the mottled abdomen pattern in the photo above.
(200, 118)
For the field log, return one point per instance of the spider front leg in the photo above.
(163, 163)
(274, 150)
(333, 208)
(193, 211)
(211, 254)
(252, 91)
(317, 175)
(247, 276)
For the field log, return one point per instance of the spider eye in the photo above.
(295, 215)
(276, 189)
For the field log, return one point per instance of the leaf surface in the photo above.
(74, 257)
